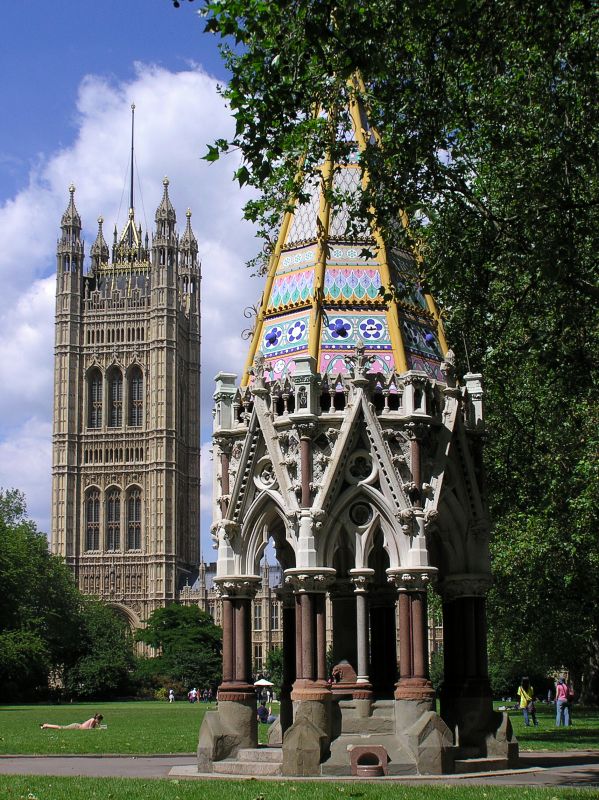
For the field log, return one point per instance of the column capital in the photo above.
(411, 580)
(464, 585)
(237, 586)
(311, 580)
(361, 578)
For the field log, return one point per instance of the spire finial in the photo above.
(72, 189)
(188, 213)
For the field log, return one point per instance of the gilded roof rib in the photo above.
(322, 297)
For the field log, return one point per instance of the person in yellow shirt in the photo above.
(527, 702)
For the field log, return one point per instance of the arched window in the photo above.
(136, 402)
(92, 520)
(134, 520)
(115, 398)
(113, 520)
(95, 399)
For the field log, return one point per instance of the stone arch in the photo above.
(128, 614)
(266, 513)
(395, 543)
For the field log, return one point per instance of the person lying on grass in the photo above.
(92, 722)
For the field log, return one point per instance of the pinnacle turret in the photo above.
(165, 210)
(71, 218)
(188, 240)
(99, 249)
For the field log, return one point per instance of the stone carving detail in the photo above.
(243, 586)
(406, 517)
(359, 363)
(359, 467)
(311, 581)
(412, 580)
(454, 586)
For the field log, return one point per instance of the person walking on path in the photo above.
(563, 696)
(92, 722)
(527, 702)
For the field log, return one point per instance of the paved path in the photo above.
(573, 768)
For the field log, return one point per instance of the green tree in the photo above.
(188, 645)
(488, 143)
(40, 607)
(273, 668)
(105, 666)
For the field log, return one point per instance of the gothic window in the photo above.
(95, 399)
(257, 616)
(274, 616)
(113, 520)
(92, 520)
(136, 403)
(134, 520)
(258, 657)
(115, 398)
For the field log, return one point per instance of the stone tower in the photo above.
(352, 444)
(125, 494)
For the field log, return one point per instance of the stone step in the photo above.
(230, 766)
(466, 765)
(270, 755)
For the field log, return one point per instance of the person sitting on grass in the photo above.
(265, 714)
(92, 722)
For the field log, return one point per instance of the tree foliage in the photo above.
(188, 645)
(488, 143)
(106, 662)
(40, 609)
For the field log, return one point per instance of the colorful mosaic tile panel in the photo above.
(344, 284)
(295, 287)
(285, 335)
(352, 254)
(342, 331)
(333, 362)
(421, 339)
(432, 368)
(279, 367)
(291, 260)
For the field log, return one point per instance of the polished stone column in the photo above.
(236, 595)
(310, 587)
(228, 640)
(414, 682)
(321, 637)
(361, 579)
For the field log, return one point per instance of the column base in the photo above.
(306, 690)
(236, 691)
(414, 689)
(231, 727)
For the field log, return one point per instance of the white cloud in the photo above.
(176, 115)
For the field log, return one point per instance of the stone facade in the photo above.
(125, 493)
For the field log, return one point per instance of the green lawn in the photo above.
(152, 727)
(40, 788)
(135, 727)
(583, 734)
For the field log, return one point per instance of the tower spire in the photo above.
(132, 165)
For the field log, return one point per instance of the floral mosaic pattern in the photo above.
(295, 287)
(285, 336)
(343, 284)
(342, 331)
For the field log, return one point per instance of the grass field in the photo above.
(583, 734)
(40, 788)
(152, 727)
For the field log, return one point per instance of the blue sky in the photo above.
(70, 71)
(47, 47)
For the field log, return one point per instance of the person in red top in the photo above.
(563, 695)
(92, 722)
